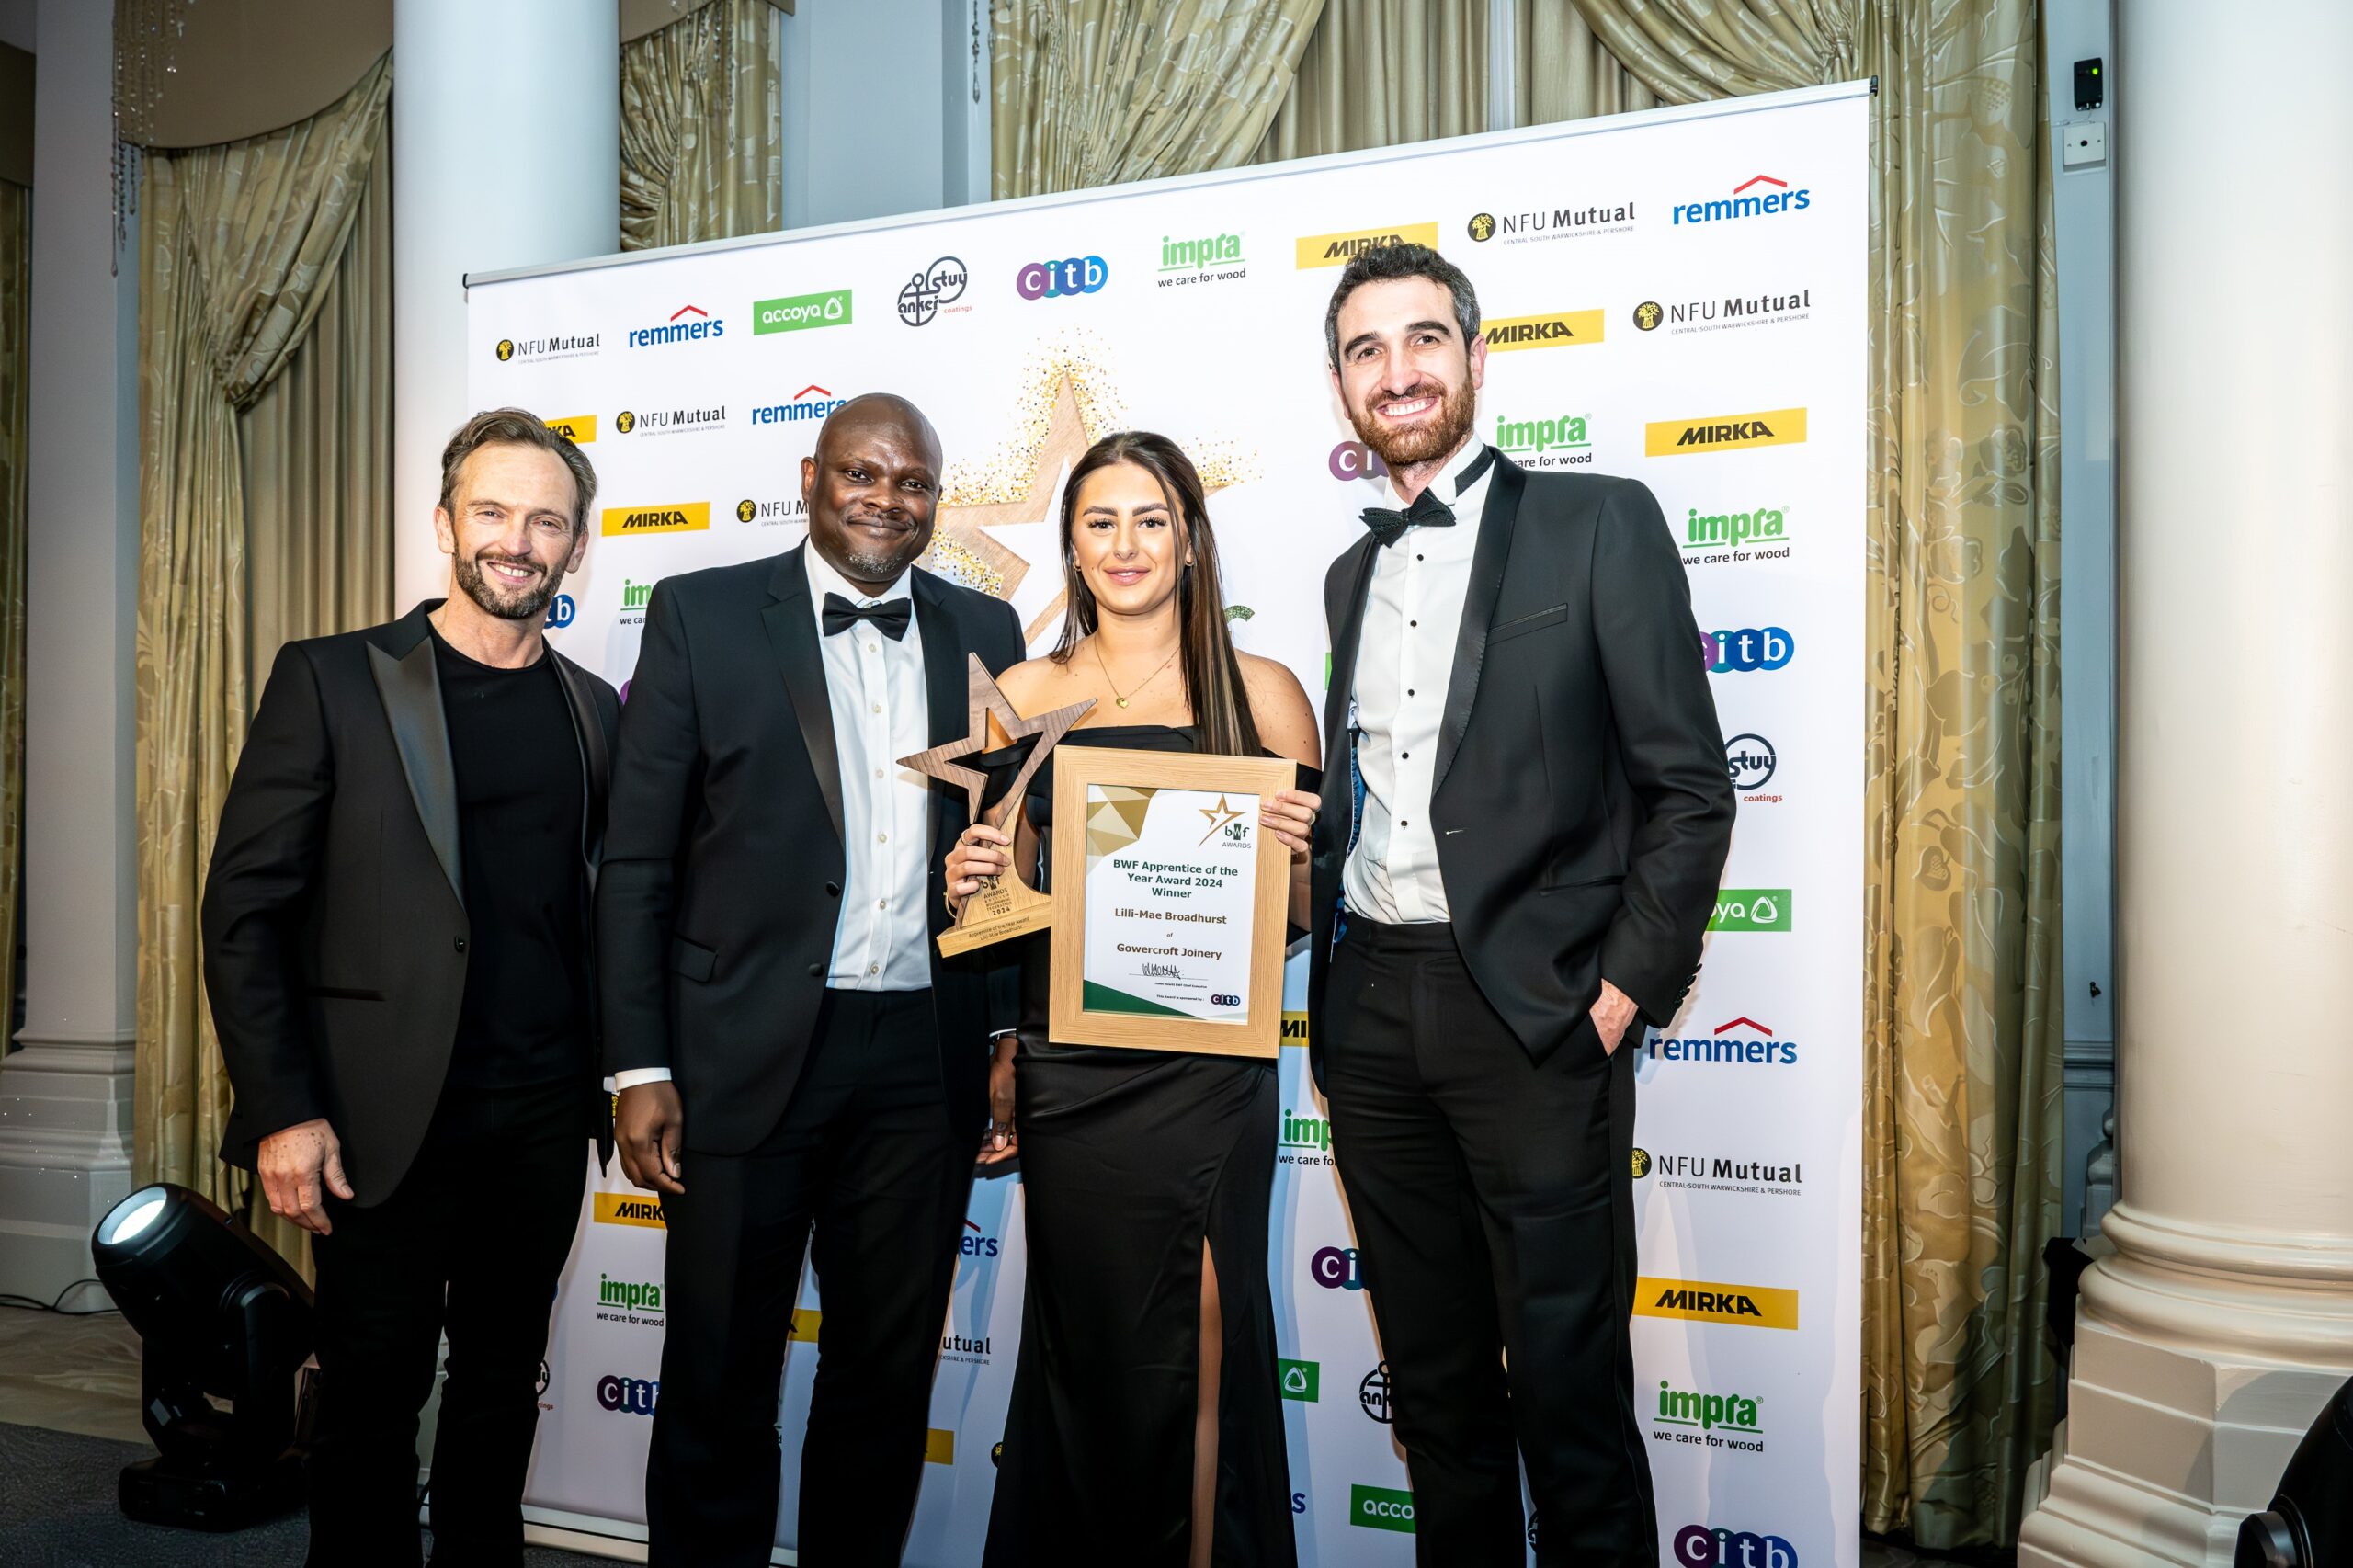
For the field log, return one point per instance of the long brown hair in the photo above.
(1205, 649)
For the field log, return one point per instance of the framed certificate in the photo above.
(1169, 901)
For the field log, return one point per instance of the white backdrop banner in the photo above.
(1677, 296)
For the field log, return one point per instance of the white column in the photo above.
(65, 1096)
(506, 151)
(2211, 1340)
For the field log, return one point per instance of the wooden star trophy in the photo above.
(1004, 906)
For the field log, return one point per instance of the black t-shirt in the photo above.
(524, 1017)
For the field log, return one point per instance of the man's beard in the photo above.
(522, 604)
(872, 563)
(1458, 409)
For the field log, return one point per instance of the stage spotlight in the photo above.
(221, 1317)
(2309, 1522)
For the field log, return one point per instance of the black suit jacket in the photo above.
(723, 863)
(1581, 806)
(335, 920)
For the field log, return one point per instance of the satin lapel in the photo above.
(410, 690)
(792, 635)
(1357, 564)
(1487, 563)
(944, 681)
(595, 760)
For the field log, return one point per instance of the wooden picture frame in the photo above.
(1078, 770)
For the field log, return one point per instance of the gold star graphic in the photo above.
(982, 701)
(1219, 815)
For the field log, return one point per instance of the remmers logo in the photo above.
(1380, 1508)
(687, 323)
(980, 1243)
(812, 402)
(1561, 329)
(1723, 432)
(1062, 280)
(1335, 1268)
(1705, 1546)
(1748, 1306)
(1760, 195)
(1741, 1041)
(799, 312)
(1338, 250)
(1561, 441)
(1748, 649)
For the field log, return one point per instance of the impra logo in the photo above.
(675, 517)
(1723, 432)
(1748, 1306)
(1338, 250)
(1558, 329)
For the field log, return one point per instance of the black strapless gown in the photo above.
(1130, 1160)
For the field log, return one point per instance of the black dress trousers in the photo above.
(866, 1157)
(1493, 1197)
(473, 1239)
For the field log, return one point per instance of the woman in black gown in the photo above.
(1145, 1426)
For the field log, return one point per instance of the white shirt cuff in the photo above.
(631, 1077)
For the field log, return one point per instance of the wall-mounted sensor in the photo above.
(2091, 85)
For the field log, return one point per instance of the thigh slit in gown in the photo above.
(1131, 1161)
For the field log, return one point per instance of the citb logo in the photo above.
(561, 610)
(1059, 279)
(1354, 460)
(1336, 1268)
(1748, 648)
(1699, 1546)
(631, 1396)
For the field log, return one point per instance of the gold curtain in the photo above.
(15, 369)
(1563, 71)
(1378, 72)
(701, 117)
(1962, 1011)
(1101, 92)
(239, 244)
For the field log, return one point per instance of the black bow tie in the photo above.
(1428, 511)
(891, 617)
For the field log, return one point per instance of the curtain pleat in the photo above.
(701, 117)
(1101, 92)
(1565, 73)
(1378, 73)
(16, 369)
(238, 248)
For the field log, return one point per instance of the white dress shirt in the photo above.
(1413, 617)
(881, 712)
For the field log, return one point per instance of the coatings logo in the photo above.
(1750, 762)
(1336, 1268)
(1302, 1380)
(1760, 533)
(687, 323)
(580, 429)
(1746, 648)
(1373, 1394)
(799, 312)
(1705, 1173)
(560, 611)
(1558, 442)
(1701, 1546)
(677, 517)
(1760, 195)
(1727, 1045)
(812, 402)
(1562, 329)
(629, 1208)
(1380, 1508)
(629, 1396)
(1752, 909)
(570, 346)
(1552, 224)
(1354, 460)
(1209, 259)
(769, 514)
(1723, 432)
(1748, 1306)
(929, 291)
(1061, 280)
(1338, 250)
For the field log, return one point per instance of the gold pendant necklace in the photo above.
(1097, 644)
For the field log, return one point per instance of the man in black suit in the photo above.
(791, 1051)
(1512, 875)
(396, 944)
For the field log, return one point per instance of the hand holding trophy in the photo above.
(1005, 906)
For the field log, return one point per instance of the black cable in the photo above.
(28, 1303)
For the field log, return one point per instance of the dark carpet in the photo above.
(57, 1510)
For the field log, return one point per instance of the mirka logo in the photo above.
(1747, 1306)
(1338, 250)
(580, 429)
(939, 1446)
(1561, 329)
(687, 323)
(629, 1208)
(1295, 1030)
(1723, 432)
(561, 345)
(675, 517)
(770, 513)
